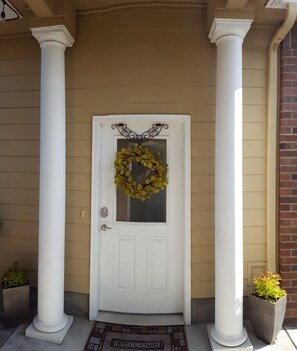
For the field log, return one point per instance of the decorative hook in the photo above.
(140, 138)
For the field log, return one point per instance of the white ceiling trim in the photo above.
(279, 4)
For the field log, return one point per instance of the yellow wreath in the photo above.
(155, 178)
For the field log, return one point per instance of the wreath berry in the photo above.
(155, 177)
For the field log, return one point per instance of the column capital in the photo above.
(57, 33)
(222, 27)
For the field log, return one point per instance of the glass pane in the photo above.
(150, 210)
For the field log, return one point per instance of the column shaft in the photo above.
(52, 185)
(52, 188)
(228, 329)
(228, 188)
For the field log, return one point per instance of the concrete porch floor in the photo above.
(196, 335)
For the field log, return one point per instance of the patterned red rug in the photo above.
(113, 337)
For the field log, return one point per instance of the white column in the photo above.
(50, 316)
(228, 34)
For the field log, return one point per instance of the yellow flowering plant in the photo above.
(14, 277)
(268, 287)
(155, 178)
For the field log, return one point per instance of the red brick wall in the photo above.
(288, 170)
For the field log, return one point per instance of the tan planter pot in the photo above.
(267, 317)
(16, 304)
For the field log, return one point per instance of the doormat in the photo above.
(113, 337)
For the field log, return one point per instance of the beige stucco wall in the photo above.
(144, 61)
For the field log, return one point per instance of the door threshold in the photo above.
(140, 319)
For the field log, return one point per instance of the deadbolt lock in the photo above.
(104, 212)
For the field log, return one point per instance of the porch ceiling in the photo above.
(47, 12)
(88, 4)
(262, 15)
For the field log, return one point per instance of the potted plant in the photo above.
(267, 306)
(16, 292)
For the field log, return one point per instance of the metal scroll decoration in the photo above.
(154, 177)
(140, 138)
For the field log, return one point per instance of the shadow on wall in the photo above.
(203, 310)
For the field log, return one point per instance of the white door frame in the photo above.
(98, 121)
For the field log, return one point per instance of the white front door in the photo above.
(142, 252)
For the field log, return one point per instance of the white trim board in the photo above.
(140, 319)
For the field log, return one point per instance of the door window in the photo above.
(151, 210)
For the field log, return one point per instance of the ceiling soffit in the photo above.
(262, 15)
(51, 11)
(93, 7)
(95, 4)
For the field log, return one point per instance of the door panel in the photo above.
(124, 265)
(141, 262)
(157, 265)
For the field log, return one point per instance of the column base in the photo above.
(56, 337)
(246, 346)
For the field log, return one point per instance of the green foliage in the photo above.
(14, 277)
(268, 287)
(155, 177)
